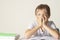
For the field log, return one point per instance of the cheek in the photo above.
(39, 17)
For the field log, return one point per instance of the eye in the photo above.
(39, 14)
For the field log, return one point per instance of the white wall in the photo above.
(15, 15)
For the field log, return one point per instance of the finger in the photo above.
(41, 19)
(45, 18)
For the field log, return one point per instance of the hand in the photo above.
(40, 22)
(45, 20)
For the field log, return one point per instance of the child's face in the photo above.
(41, 13)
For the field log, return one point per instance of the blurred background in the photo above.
(16, 15)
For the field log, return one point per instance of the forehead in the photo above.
(42, 11)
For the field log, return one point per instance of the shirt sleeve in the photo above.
(53, 25)
(31, 25)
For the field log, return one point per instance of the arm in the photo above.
(30, 32)
(53, 32)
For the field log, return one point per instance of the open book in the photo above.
(41, 38)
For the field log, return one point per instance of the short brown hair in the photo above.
(43, 6)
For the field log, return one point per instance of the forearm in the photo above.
(29, 33)
(53, 32)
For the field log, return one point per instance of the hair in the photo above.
(43, 6)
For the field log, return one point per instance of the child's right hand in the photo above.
(40, 22)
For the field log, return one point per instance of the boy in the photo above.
(42, 27)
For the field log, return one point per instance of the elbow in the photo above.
(27, 36)
(56, 36)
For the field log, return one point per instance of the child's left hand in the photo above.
(45, 19)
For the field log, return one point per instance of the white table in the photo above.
(40, 38)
